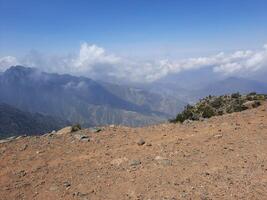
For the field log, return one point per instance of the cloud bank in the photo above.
(95, 62)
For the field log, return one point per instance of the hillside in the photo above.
(76, 99)
(224, 157)
(14, 122)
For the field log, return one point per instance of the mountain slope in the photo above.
(76, 99)
(221, 158)
(160, 102)
(16, 122)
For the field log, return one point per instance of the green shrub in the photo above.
(208, 112)
(217, 103)
(235, 95)
(212, 105)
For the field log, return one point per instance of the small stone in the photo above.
(163, 161)
(24, 147)
(83, 138)
(218, 136)
(148, 144)
(66, 184)
(141, 142)
(188, 121)
(134, 162)
(21, 173)
(95, 129)
(53, 188)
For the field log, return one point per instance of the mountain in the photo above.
(152, 100)
(15, 122)
(76, 99)
(232, 85)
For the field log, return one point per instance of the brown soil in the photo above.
(221, 158)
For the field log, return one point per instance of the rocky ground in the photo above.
(224, 157)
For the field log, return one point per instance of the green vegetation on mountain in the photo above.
(219, 105)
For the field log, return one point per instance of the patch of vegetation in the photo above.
(76, 127)
(219, 105)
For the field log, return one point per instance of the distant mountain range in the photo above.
(82, 100)
(231, 85)
(92, 103)
(15, 122)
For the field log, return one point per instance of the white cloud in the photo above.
(95, 62)
(92, 55)
(7, 61)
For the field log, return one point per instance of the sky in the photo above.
(149, 39)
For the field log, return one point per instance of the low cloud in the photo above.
(95, 62)
(7, 61)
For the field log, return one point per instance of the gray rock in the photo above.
(134, 162)
(24, 147)
(163, 161)
(95, 129)
(66, 184)
(148, 144)
(83, 138)
(188, 121)
(141, 142)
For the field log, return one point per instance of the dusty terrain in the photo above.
(221, 158)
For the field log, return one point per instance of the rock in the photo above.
(135, 162)
(83, 138)
(148, 144)
(24, 147)
(112, 126)
(64, 130)
(249, 104)
(39, 152)
(21, 136)
(80, 194)
(218, 136)
(95, 129)
(188, 121)
(21, 173)
(163, 161)
(66, 184)
(8, 139)
(141, 142)
(4, 141)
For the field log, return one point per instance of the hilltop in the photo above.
(223, 157)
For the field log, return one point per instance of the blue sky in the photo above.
(136, 40)
(140, 27)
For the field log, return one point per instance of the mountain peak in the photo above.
(19, 70)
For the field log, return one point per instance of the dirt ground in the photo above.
(221, 158)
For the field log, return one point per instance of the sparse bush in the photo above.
(238, 108)
(208, 112)
(212, 106)
(235, 95)
(217, 103)
(180, 118)
(76, 127)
